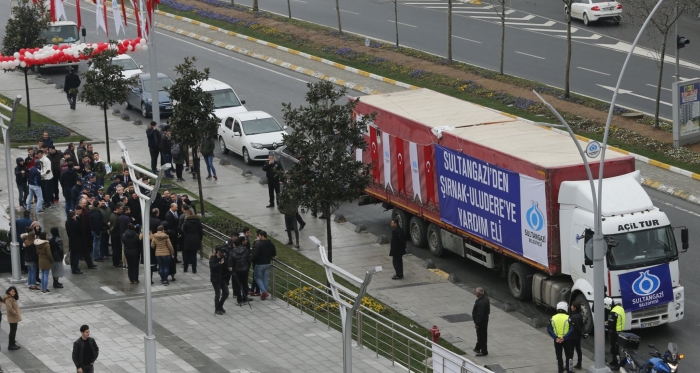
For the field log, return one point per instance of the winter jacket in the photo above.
(21, 177)
(124, 221)
(43, 251)
(29, 162)
(106, 214)
(56, 245)
(215, 269)
(34, 176)
(100, 170)
(135, 207)
(264, 252)
(68, 180)
(481, 310)
(192, 232)
(241, 258)
(47, 142)
(271, 171)
(208, 147)
(577, 325)
(74, 230)
(153, 136)
(153, 223)
(72, 156)
(46, 173)
(161, 242)
(398, 242)
(72, 81)
(30, 254)
(12, 308)
(114, 224)
(81, 152)
(75, 192)
(96, 220)
(55, 160)
(165, 144)
(78, 351)
(132, 243)
(180, 158)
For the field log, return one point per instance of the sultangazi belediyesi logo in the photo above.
(646, 284)
(534, 217)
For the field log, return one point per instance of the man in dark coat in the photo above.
(166, 144)
(273, 184)
(21, 178)
(114, 235)
(74, 229)
(219, 280)
(154, 222)
(192, 235)
(70, 86)
(85, 351)
(480, 315)
(96, 223)
(84, 218)
(397, 249)
(68, 180)
(154, 137)
(124, 221)
(134, 204)
(171, 217)
(55, 156)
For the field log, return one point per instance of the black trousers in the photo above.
(116, 250)
(47, 192)
(154, 158)
(576, 346)
(567, 348)
(273, 188)
(71, 99)
(240, 285)
(178, 170)
(189, 257)
(482, 338)
(75, 260)
(397, 260)
(614, 348)
(88, 368)
(54, 187)
(132, 262)
(220, 294)
(254, 285)
(13, 334)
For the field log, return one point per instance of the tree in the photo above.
(499, 6)
(326, 132)
(567, 68)
(449, 31)
(103, 83)
(23, 30)
(193, 119)
(337, 10)
(396, 15)
(255, 6)
(660, 25)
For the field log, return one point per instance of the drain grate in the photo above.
(460, 317)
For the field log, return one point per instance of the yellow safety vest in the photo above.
(560, 324)
(620, 317)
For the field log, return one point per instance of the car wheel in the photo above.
(144, 112)
(585, 19)
(418, 228)
(586, 313)
(617, 20)
(246, 157)
(128, 106)
(434, 240)
(222, 145)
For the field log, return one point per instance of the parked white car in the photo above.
(595, 10)
(129, 66)
(226, 101)
(251, 134)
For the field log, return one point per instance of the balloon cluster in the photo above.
(55, 54)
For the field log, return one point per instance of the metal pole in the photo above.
(346, 315)
(145, 201)
(14, 246)
(153, 70)
(678, 51)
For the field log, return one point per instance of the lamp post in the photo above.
(14, 246)
(346, 309)
(145, 199)
(153, 70)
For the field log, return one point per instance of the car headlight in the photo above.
(678, 306)
(678, 296)
(150, 100)
(255, 145)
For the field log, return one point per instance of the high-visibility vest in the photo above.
(560, 324)
(620, 326)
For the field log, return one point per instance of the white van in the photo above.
(226, 101)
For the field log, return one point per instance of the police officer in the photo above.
(614, 325)
(560, 330)
(273, 184)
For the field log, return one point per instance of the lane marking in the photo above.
(546, 24)
(573, 29)
(628, 92)
(593, 71)
(404, 24)
(299, 1)
(530, 55)
(108, 290)
(509, 11)
(678, 208)
(526, 18)
(459, 37)
(347, 11)
(592, 37)
(665, 89)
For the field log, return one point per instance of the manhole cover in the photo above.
(460, 317)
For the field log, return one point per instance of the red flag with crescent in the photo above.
(374, 151)
(400, 164)
(429, 163)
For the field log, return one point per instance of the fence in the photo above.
(371, 330)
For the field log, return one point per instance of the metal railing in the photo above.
(211, 239)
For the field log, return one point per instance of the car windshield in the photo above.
(61, 34)
(642, 248)
(601, 1)
(163, 83)
(126, 64)
(264, 125)
(224, 98)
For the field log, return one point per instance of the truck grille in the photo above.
(651, 312)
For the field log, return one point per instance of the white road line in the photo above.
(526, 18)
(665, 89)
(404, 24)
(592, 37)
(108, 290)
(546, 24)
(433, 3)
(628, 92)
(347, 11)
(459, 37)
(530, 55)
(573, 29)
(593, 71)
(299, 1)
(678, 207)
(509, 11)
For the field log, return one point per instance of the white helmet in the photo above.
(563, 306)
(608, 302)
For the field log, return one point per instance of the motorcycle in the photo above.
(633, 362)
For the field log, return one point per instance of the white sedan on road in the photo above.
(251, 134)
(129, 66)
(595, 10)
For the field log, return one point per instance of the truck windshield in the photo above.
(61, 34)
(642, 248)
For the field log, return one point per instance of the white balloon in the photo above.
(144, 47)
(130, 48)
(23, 64)
(16, 54)
(142, 41)
(3, 65)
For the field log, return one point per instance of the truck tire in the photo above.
(586, 313)
(418, 232)
(434, 240)
(520, 281)
(403, 217)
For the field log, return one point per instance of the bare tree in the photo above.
(499, 6)
(658, 30)
(337, 10)
(567, 69)
(396, 15)
(255, 6)
(449, 31)
(289, 8)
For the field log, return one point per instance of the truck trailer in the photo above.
(515, 197)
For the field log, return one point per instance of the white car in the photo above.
(226, 101)
(252, 134)
(129, 66)
(595, 10)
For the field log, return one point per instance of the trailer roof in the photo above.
(484, 126)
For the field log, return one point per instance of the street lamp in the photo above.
(14, 246)
(145, 199)
(598, 239)
(153, 70)
(346, 309)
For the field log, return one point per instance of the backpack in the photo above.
(175, 150)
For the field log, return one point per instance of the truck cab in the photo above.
(61, 33)
(641, 263)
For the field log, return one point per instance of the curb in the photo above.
(671, 190)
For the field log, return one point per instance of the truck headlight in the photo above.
(679, 296)
(255, 145)
(678, 306)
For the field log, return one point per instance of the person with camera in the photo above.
(240, 256)
(219, 275)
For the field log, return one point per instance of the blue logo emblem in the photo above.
(414, 164)
(386, 154)
(534, 217)
(646, 284)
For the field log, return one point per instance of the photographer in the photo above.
(219, 279)
(240, 255)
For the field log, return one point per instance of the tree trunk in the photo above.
(233, 2)
(396, 21)
(289, 8)
(449, 30)
(658, 83)
(26, 87)
(329, 236)
(503, 34)
(337, 10)
(255, 5)
(567, 69)
(104, 109)
(195, 163)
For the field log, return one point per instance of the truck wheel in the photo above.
(520, 281)
(585, 312)
(434, 240)
(418, 229)
(403, 217)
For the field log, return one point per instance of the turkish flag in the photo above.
(374, 152)
(137, 14)
(77, 12)
(429, 163)
(52, 10)
(124, 15)
(399, 164)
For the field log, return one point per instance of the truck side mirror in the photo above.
(83, 31)
(588, 247)
(684, 239)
